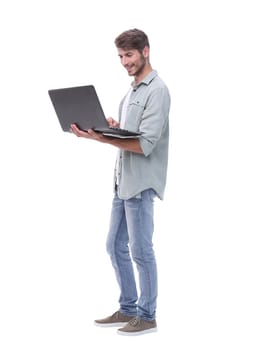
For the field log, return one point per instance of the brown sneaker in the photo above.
(137, 326)
(116, 320)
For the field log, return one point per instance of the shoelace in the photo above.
(134, 322)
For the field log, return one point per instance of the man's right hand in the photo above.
(113, 123)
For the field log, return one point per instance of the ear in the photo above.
(146, 52)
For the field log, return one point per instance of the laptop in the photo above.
(80, 105)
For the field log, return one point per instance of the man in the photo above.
(140, 175)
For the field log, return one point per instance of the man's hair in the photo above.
(132, 39)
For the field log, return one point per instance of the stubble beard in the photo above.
(140, 69)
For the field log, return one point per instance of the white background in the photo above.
(55, 276)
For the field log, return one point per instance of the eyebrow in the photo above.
(126, 53)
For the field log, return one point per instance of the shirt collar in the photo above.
(147, 80)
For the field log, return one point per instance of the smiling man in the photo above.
(139, 176)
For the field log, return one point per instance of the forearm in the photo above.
(131, 145)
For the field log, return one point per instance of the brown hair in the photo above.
(133, 39)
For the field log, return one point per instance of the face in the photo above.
(133, 60)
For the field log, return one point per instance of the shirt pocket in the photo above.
(134, 115)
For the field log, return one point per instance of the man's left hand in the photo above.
(89, 134)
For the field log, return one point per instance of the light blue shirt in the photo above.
(148, 112)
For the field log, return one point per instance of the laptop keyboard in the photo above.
(121, 131)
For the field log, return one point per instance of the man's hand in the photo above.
(90, 134)
(112, 123)
(131, 145)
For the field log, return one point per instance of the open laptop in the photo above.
(80, 105)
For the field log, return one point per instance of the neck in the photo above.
(138, 78)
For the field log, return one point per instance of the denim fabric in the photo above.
(130, 240)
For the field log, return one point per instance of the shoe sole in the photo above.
(150, 330)
(117, 324)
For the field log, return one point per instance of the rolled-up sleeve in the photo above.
(154, 119)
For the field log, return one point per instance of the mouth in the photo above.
(129, 68)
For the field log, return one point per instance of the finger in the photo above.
(112, 122)
(92, 133)
(75, 130)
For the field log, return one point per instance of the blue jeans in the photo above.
(130, 237)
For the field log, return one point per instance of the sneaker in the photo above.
(137, 326)
(116, 320)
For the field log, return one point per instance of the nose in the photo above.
(124, 61)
